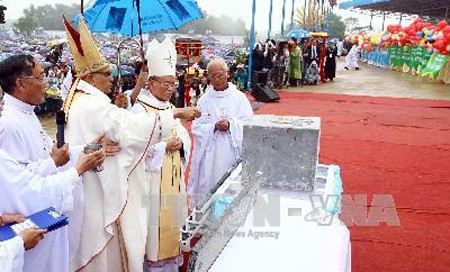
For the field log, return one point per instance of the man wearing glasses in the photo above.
(218, 132)
(165, 163)
(114, 225)
(26, 192)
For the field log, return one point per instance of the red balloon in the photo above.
(442, 24)
(446, 30)
(419, 26)
(418, 20)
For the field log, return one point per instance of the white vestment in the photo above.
(153, 164)
(352, 58)
(11, 255)
(25, 141)
(26, 193)
(216, 151)
(114, 214)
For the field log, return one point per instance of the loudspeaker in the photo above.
(260, 77)
(263, 93)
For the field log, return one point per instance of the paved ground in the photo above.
(373, 81)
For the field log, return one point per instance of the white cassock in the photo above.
(23, 138)
(352, 57)
(26, 193)
(216, 151)
(11, 255)
(114, 214)
(156, 249)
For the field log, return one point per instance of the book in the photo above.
(48, 219)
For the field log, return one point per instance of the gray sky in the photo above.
(234, 8)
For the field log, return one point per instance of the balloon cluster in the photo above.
(432, 37)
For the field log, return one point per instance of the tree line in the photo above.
(49, 17)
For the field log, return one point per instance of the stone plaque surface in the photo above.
(284, 148)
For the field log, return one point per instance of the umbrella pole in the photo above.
(82, 7)
(119, 73)
(138, 6)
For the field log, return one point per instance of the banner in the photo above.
(395, 53)
(405, 58)
(434, 65)
(416, 58)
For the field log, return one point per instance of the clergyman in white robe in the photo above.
(24, 139)
(153, 165)
(114, 224)
(26, 193)
(216, 151)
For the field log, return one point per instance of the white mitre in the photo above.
(162, 58)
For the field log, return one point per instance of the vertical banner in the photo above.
(270, 19)
(394, 56)
(282, 18)
(406, 57)
(292, 15)
(252, 43)
(434, 65)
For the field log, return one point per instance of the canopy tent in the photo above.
(423, 8)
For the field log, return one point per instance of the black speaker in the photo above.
(260, 77)
(263, 93)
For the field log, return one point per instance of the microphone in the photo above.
(60, 122)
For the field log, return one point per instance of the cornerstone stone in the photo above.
(284, 149)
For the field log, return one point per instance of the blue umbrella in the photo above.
(299, 33)
(134, 17)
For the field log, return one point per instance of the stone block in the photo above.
(284, 148)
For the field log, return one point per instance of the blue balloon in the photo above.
(420, 34)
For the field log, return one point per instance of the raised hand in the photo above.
(189, 113)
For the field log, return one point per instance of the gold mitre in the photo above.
(87, 57)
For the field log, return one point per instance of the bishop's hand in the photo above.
(111, 147)
(174, 144)
(189, 113)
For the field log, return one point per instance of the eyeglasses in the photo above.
(217, 76)
(41, 78)
(106, 74)
(166, 84)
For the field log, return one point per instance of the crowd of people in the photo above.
(294, 62)
(126, 200)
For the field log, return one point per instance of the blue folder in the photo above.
(48, 219)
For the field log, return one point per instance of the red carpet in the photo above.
(399, 147)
